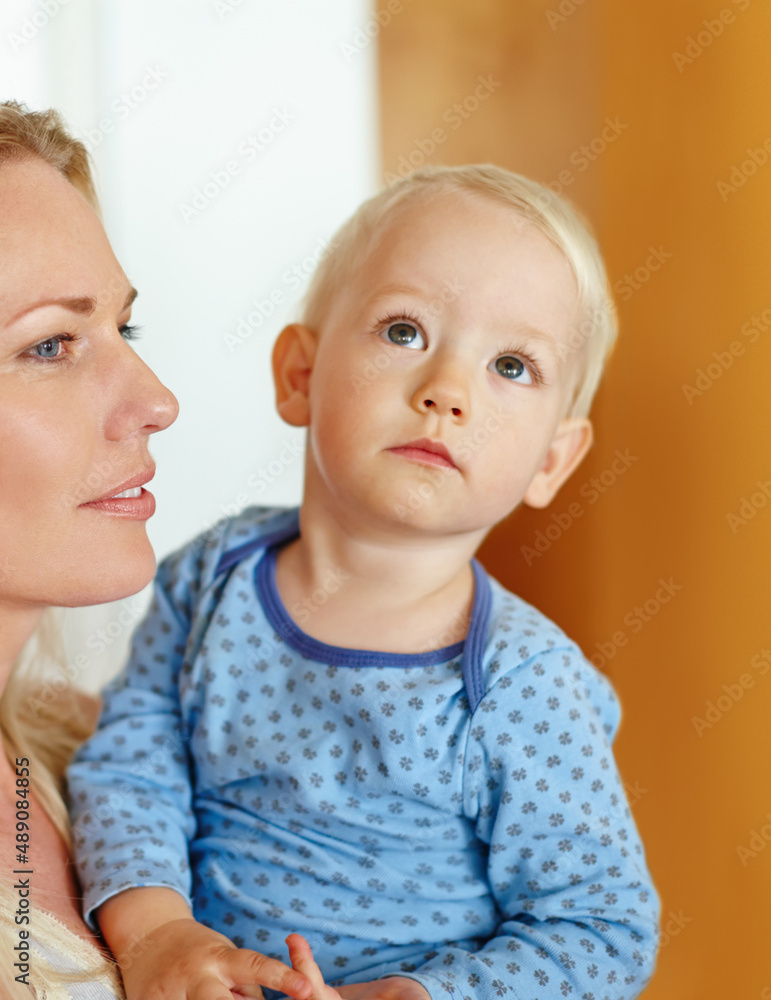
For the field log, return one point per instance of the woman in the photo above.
(77, 408)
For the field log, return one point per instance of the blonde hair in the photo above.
(43, 719)
(40, 719)
(42, 135)
(554, 216)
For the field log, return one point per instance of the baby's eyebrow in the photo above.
(532, 333)
(387, 291)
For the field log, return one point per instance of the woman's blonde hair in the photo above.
(42, 135)
(42, 716)
(596, 332)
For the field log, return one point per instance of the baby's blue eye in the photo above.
(404, 335)
(512, 368)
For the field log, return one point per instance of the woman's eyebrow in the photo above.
(83, 304)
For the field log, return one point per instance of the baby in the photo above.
(333, 721)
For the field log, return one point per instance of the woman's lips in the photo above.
(137, 508)
(423, 456)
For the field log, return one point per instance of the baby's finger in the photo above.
(212, 988)
(251, 992)
(248, 968)
(302, 959)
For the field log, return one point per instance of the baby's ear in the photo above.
(570, 443)
(293, 356)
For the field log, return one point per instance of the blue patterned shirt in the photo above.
(454, 816)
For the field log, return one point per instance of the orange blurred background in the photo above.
(652, 119)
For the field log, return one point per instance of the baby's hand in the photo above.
(302, 960)
(393, 988)
(184, 960)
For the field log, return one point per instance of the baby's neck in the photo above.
(374, 595)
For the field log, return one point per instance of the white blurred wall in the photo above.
(231, 138)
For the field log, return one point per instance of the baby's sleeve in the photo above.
(129, 785)
(579, 914)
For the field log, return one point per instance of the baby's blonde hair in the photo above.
(555, 217)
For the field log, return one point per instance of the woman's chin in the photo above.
(113, 581)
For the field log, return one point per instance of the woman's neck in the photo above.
(17, 623)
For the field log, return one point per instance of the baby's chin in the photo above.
(430, 521)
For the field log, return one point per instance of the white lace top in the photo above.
(57, 950)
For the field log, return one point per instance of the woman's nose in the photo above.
(164, 407)
(141, 402)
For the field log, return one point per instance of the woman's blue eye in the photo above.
(404, 335)
(512, 368)
(48, 348)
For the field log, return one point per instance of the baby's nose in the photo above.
(444, 390)
(455, 410)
